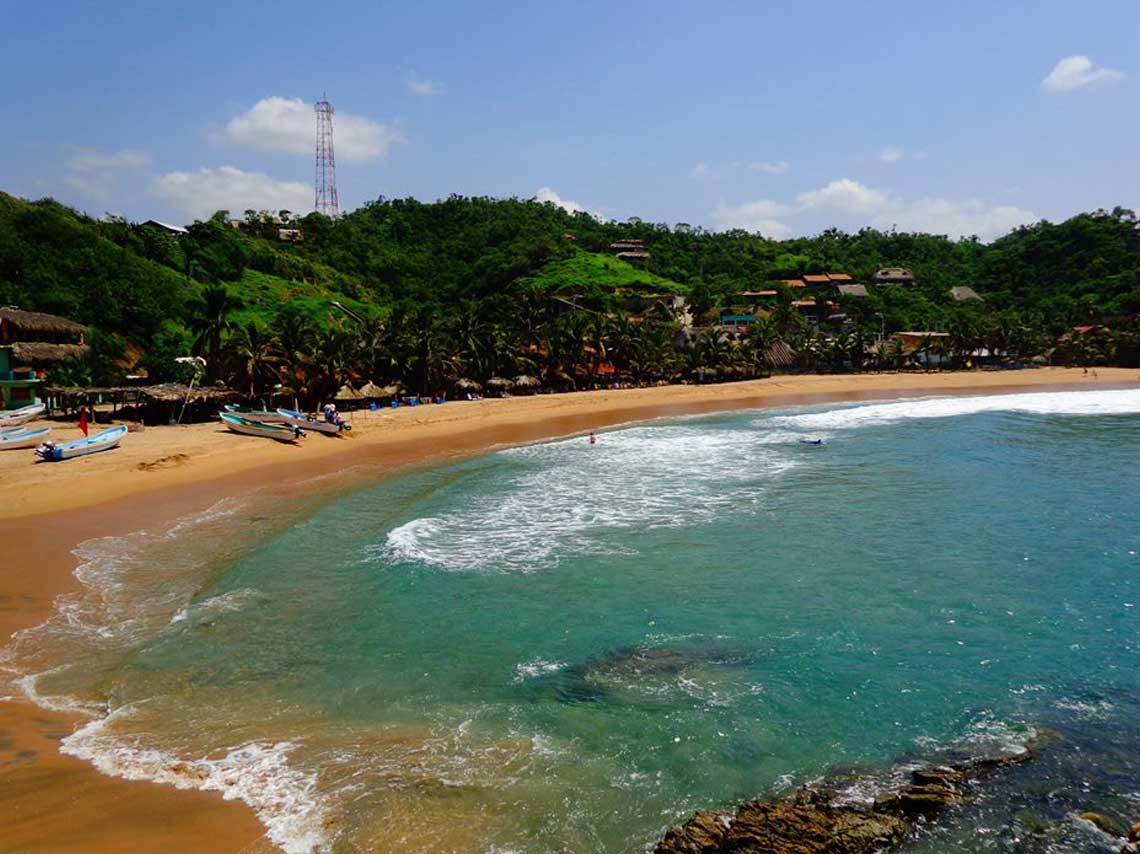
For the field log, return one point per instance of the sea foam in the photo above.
(1106, 402)
(569, 498)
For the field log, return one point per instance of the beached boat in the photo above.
(103, 441)
(299, 419)
(13, 417)
(21, 437)
(260, 416)
(238, 424)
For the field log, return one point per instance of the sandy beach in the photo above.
(55, 803)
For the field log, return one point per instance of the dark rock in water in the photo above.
(811, 822)
(806, 822)
(1134, 832)
(587, 682)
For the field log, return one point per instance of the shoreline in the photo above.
(61, 803)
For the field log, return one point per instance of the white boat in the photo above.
(299, 419)
(21, 437)
(15, 417)
(258, 416)
(238, 424)
(103, 441)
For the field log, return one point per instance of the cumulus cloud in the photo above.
(868, 205)
(771, 167)
(423, 87)
(956, 218)
(701, 170)
(546, 194)
(1078, 72)
(845, 197)
(891, 154)
(290, 125)
(759, 216)
(199, 194)
(83, 159)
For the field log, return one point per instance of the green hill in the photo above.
(598, 275)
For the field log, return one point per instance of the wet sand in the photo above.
(51, 802)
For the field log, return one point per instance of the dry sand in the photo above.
(50, 802)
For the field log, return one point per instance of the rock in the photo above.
(1134, 832)
(704, 833)
(1104, 824)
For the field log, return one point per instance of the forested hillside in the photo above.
(422, 294)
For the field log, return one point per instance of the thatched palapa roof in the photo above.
(524, 381)
(26, 322)
(466, 384)
(176, 393)
(347, 392)
(500, 383)
(39, 353)
(371, 391)
(780, 355)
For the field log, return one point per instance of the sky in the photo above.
(783, 118)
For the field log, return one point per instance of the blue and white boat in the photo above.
(15, 417)
(280, 432)
(300, 419)
(103, 441)
(22, 437)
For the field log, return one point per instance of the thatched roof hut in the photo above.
(176, 393)
(347, 392)
(40, 353)
(526, 384)
(18, 325)
(467, 384)
(499, 384)
(780, 355)
(371, 391)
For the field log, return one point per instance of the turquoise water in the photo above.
(565, 647)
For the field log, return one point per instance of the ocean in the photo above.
(568, 647)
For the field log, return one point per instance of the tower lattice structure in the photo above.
(324, 197)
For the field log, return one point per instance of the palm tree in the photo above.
(252, 360)
(210, 321)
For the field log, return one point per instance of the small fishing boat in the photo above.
(21, 437)
(300, 419)
(280, 432)
(14, 417)
(260, 416)
(103, 441)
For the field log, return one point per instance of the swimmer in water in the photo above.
(593, 439)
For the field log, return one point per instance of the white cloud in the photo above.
(956, 218)
(1078, 72)
(845, 197)
(290, 125)
(199, 194)
(90, 160)
(771, 167)
(891, 154)
(759, 216)
(546, 194)
(422, 86)
(701, 170)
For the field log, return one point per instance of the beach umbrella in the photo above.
(499, 384)
(371, 391)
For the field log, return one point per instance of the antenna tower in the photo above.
(324, 199)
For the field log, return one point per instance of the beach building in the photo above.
(926, 348)
(176, 230)
(31, 341)
(852, 290)
(893, 276)
(962, 293)
(631, 250)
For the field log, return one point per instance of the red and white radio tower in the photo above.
(325, 200)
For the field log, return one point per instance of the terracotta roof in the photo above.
(793, 283)
(839, 277)
(756, 293)
(822, 279)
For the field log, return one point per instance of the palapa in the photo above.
(347, 392)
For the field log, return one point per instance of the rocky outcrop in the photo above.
(812, 822)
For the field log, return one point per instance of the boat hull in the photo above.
(258, 416)
(16, 417)
(19, 438)
(104, 441)
(245, 427)
(297, 419)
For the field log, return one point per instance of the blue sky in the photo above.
(786, 118)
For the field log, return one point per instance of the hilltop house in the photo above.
(176, 230)
(30, 341)
(962, 293)
(631, 250)
(894, 276)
